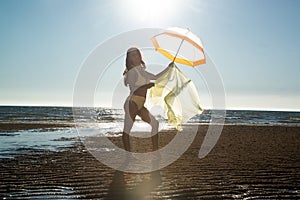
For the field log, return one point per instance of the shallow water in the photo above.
(33, 141)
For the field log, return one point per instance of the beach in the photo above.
(248, 162)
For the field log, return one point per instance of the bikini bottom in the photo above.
(138, 100)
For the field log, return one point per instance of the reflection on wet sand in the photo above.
(119, 189)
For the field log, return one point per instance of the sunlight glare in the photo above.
(152, 11)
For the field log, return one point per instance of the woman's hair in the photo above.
(130, 63)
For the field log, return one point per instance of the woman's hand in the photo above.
(171, 64)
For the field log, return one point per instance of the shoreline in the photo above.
(11, 127)
(247, 162)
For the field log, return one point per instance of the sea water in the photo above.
(107, 122)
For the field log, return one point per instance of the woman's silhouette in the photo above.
(138, 80)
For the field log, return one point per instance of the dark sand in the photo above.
(248, 162)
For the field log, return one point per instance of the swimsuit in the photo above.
(138, 100)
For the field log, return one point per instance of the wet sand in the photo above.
(248, 162)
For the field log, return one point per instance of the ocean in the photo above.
(108, 121)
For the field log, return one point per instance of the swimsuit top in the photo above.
(137, 77)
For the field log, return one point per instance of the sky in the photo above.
(254, 44)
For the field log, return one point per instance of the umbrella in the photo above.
(180, 45)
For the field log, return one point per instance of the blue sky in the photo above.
(254, 44)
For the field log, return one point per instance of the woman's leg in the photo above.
(131, 111)
(150, 119)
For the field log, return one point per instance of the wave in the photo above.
(29, 114)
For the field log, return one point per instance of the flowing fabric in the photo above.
(177, 94)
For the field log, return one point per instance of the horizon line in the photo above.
(109, 107)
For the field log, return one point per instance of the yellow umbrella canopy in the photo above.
(180, 45)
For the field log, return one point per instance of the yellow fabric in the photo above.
(138, 100)
(177, 94)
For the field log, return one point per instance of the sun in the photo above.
(151, 11)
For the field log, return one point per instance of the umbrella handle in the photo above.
(178, 50)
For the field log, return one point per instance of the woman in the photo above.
(138, 80)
